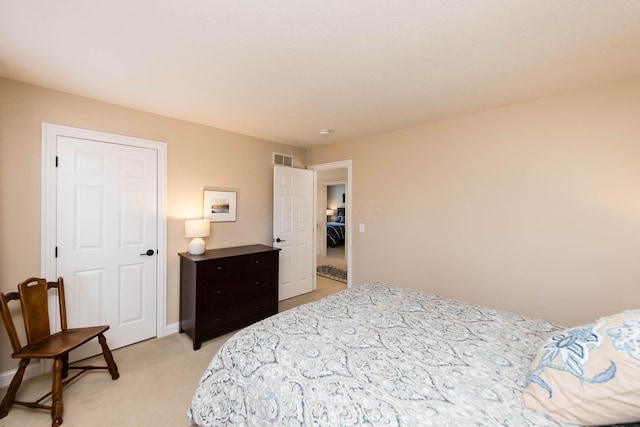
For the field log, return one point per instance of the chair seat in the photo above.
(59, 343)
(33, 295)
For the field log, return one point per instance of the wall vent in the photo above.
(282, 159)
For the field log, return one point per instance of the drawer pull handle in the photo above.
(219, 268)
(258, 261)
(258, 307)
(218, 292)
(218, 319)
(258, 283)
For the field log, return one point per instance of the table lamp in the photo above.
(197, 229)
(329, 214)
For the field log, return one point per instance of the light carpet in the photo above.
(157, 380)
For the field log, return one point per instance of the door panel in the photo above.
(131, 294)
(106, 221)
(85, 286)
(293, 195)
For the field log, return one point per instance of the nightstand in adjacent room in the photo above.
(227, 289)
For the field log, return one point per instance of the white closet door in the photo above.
(106, 237)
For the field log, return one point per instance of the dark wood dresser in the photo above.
(227, 289)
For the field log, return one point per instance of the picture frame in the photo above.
(219, 206)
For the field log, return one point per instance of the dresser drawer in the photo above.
(237, 315)
(237, 265)
(234, 288)
(227, 289)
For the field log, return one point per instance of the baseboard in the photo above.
(33, 370)
(172, 328)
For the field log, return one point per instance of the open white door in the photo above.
(293, 229)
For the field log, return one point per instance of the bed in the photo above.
(335, 234)
(375, 355)
(336, 230)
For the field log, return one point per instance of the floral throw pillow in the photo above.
(590, 374)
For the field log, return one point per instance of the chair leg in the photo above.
(108, 357)
(65, 365)
(56, 393)
(10, 396)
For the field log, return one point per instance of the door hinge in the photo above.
(56, 161)
(56, 252)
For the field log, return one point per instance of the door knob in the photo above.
(148, 253)
(280, 240)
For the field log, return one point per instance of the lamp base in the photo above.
(196, 246)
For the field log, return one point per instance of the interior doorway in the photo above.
(334, 247)
(334, 221)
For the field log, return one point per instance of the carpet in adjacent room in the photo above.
(333, 273)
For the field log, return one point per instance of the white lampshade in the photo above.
(197, 228)
(329, 212)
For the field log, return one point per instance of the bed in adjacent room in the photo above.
(335, 234)
(382, 355)
(336, 230)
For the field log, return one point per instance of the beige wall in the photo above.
(532, 208)
(198, 156)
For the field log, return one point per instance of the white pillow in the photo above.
(590, 374)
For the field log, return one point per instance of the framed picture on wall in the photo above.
(219, 206)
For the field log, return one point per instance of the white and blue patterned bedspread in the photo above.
(375, 355)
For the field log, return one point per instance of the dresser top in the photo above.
(228, 252)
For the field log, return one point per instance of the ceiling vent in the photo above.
(282, 159)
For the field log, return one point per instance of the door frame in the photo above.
(342, 164)
(48, 220)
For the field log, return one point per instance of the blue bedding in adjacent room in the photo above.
(335, 234)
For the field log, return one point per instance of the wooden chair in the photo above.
(33, 297)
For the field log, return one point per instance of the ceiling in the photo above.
(281, 70)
